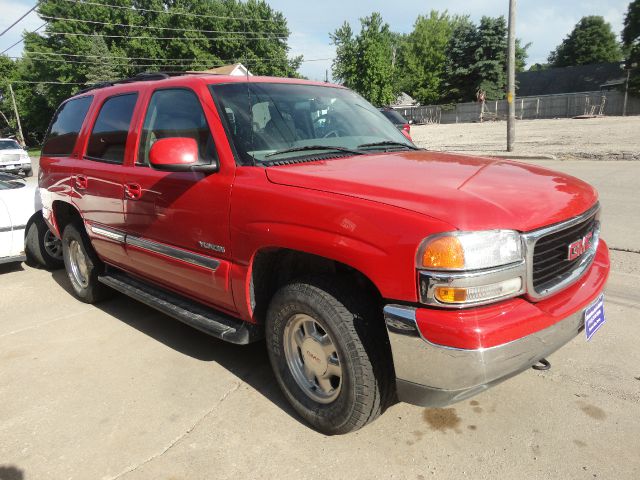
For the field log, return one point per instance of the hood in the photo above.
(470, 193)
(20, 203)
(13, 151)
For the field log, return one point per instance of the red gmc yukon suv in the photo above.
(295, 212)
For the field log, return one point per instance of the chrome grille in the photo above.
(547, 251)
(550, 255)
(9, 158)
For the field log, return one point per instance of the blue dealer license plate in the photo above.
(594, 317)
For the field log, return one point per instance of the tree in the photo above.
(105, 67)
(364, 62)
(491, 57)
(424, 57)
(591, 41)
(7, 120)
(631, 42)
(477, 59)
(207, 33)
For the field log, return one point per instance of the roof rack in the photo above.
(140, 77)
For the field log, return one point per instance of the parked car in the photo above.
(293, 211)
(13, 158)
(24, 235)
(398, 120)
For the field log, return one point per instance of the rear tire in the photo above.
(83, 265)
(330, 353)
(42, 247)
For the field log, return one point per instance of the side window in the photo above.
(109, 135)
(65, 127)
(176, 113)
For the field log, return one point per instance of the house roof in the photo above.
(403, 99)
(233, 69)
(582, 78)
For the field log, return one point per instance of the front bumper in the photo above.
(435, 375)
(15, 167)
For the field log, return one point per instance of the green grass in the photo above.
(34, 152)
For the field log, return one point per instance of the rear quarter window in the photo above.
(65, 126)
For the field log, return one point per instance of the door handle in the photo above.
(81, 182)
(132, 191)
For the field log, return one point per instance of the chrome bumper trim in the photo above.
(447, 375)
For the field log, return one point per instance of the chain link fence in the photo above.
(527, 108)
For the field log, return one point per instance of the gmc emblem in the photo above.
(578, 247)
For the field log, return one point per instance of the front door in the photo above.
(177, 223)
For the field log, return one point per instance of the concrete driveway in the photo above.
(117, 390)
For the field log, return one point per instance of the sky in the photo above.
(544, 23)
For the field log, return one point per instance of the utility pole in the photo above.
(15, 109)
(511, 77)
(626, 92)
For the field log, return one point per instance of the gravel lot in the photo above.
(608, 138)
(118, 391)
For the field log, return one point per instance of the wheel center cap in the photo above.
(314, 356)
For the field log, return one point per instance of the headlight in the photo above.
(461, 269)
(24, 157)
(470, 250)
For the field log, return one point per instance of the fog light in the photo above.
(458, 295)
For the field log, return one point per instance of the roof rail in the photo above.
(140, 77)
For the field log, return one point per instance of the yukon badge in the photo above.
(578, 247)
(211, 246)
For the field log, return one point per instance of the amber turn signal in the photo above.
(451, 295)
(444, 252)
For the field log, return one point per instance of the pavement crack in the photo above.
(180, 437)
(627, 250)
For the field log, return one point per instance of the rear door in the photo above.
(98, 182)
(177, 223)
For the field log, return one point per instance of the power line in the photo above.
(156, 61)
(149, 27)
(101, 56)
(18, 20)
(50, 83)
(22, 39)
(155, 64)
(197, 15)
(73, 34)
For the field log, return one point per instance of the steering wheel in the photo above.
(332, 133)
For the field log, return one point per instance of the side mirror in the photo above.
(178, 154)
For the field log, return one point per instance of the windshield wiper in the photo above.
(313, 147)
(388, 143)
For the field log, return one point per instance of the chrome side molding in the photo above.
(155, 247)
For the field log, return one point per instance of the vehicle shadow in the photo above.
(249, 363)
(9, 472)
(10, 267)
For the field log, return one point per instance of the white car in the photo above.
(24, 235)
(14, 158)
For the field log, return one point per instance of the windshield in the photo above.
(394, 116)
(276, 121)
(8, 145)
(9, 181)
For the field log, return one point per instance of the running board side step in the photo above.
(205, 319)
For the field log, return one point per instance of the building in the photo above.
(582, 78)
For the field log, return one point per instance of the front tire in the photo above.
(330, 353)
(83, 265)
(41, 246)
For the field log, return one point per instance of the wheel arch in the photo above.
(62, 214)
(273, 267)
